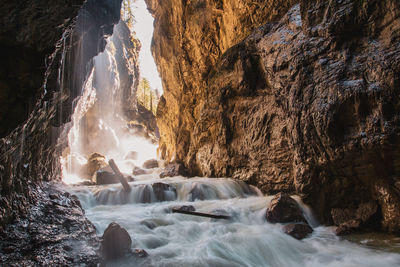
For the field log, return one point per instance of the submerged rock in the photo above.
(298, 230)
(174, 169)
(199, 192)
(160, 189)
(116, 241)
(284, 209)
(145, 195)
(150, 164)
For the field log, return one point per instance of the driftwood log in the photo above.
(195, 213)
(119, 175)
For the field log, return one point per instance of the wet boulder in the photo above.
(174, 169)
(106, 177)
(200, 192)
(138, 171)
(95, 162)
(298, 230)
(162, 190)
(145, 194)
(150, 164)
(284, 209)
(116, 241)
(131, 155)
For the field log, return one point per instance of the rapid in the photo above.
(247, 239)
(173, 239)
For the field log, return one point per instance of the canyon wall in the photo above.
(296, 96)
(47, 52)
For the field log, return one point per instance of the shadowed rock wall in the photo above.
(300, 98)
(31, 152)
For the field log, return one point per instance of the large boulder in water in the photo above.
(298, 230)
(116, 241)
(95, 162)
(284, 209)
(160, 190)
(200, 192)
(105, 177)
(174, 169)
(150, 164)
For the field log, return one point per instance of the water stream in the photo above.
(172, 239)
(247, 239)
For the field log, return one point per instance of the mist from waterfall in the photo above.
(100, 124)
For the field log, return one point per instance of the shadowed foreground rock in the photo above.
(54, 232)
(116, 241)
(284, 209)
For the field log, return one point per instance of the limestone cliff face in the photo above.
(189, 37)
(30, 153)
(299, 97)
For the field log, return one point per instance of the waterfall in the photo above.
(99, 122)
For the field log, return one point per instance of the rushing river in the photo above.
(173, 239)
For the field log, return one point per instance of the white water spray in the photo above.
(99, 124)
(247, 239)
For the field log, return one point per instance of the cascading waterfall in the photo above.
(99, 124)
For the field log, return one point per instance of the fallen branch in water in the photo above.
(208, 215)
(119, 175)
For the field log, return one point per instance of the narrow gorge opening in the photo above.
(273, 139)
(115, 117)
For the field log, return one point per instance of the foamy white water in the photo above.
(173, 239)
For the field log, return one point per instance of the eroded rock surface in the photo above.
(284, 209)
(308, 102)
(54, 232)
(31, 152)
(174, 169)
